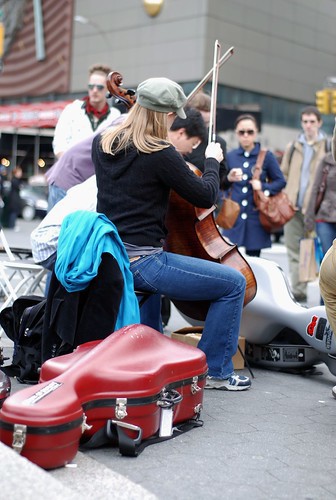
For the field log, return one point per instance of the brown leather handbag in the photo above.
(228, 213)
(276, 210)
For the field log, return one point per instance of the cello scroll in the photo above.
(114, 82)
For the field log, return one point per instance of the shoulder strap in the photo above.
(113, 434)
(259, 164)
(322, 188)
(291, 152)
(327, 148)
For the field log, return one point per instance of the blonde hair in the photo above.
(143, 128)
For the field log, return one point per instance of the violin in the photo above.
(114, 81)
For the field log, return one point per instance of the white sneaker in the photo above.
(334, 391)
(233, 383)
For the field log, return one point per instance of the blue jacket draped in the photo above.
(83, 238)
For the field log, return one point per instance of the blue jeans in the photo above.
(150, 312)
(186, 278)
(326, 231)
(55, 194)
(12, 216)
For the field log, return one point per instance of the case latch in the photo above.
(120, 409)
(197, 410)
(85, 425)
(194, 387)
(19, 437)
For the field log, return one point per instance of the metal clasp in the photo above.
(85, 425)
(198, 409)
(194, 387)
(19, 437)
(120, 409)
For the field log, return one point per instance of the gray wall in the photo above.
(283, 48)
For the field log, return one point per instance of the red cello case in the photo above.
(130, 378)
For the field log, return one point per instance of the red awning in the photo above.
(39, 114)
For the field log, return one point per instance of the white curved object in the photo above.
(274, 308)
(276, 327)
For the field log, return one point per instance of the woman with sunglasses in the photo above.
(248, 231)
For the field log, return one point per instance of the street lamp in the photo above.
(84, 20)
(153, 7)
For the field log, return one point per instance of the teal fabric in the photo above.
(83, 238)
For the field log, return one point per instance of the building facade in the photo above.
(283, 52)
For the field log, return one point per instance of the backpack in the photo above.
(23, 324)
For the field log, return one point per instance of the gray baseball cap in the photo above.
(162, 95)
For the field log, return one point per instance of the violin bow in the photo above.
(207, 77)
(215, 70)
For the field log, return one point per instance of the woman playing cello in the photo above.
(136, 167)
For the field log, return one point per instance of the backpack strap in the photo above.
(327, 145)
(29, 316)
(291, 152)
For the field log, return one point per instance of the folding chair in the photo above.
(17, 276)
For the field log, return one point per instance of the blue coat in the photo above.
(248, 231)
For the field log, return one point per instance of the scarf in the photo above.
(90, 110)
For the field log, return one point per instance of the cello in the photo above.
(192, 231)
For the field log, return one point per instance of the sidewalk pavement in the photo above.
(277, 440)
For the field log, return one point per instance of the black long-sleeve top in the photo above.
(133, 190)
(197, 157)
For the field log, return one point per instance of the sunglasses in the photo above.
(91, 86)
(243, 132)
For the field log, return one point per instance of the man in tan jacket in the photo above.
(327, 277)
(299, 164)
